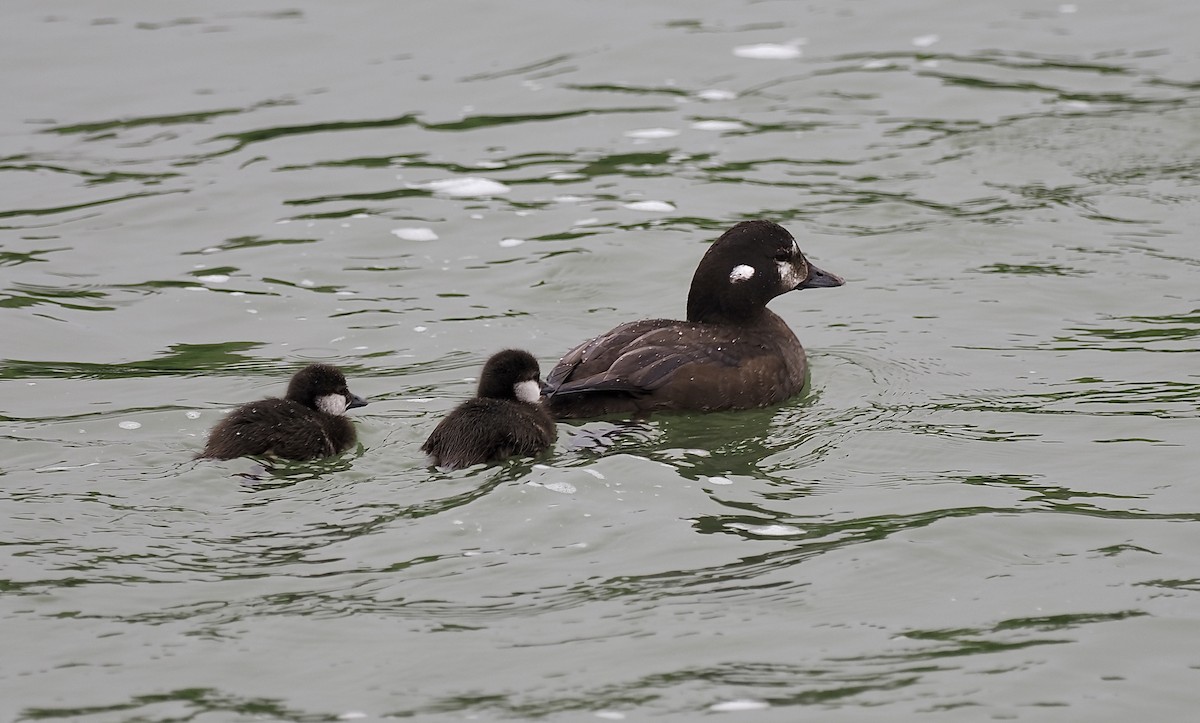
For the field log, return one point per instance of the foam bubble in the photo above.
(647, 134)
(659, 206)
(511, 242)
(767, 530)
(924, 41)
(470, 186)
(716, 94)
(718, 125)
(720, 481)
(769, 51)
(415, 234)
(215, 278)
(130, 425)
(733, 706)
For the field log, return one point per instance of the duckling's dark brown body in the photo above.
(505, 419)
(731, 353)
(306, 424)
(489, 430)
(279, 428)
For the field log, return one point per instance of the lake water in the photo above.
(985, 507)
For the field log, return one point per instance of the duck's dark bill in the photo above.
(818, 279)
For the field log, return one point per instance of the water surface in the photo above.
(979, 510)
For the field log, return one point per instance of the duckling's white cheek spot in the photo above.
(741, 273)
(332, 404)
(529, 391)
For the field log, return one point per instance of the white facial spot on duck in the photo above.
(332, 404)
(790, 276)
(528, 391)
(741, 273)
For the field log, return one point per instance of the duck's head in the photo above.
(323, 387)
(511, 374)
(745, 268)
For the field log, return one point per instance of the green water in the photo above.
(984, 508)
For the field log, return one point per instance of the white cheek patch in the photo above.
(788, 278)
(332, 404)
(741, 273)
(529, 391)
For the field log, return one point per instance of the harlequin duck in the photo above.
(308, 423)
(731, 353)
(505, 418)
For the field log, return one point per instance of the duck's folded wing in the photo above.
(631, 364)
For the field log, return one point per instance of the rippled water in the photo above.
(979, 511)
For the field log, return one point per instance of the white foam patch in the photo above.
(566, 176)
(609, 715)
(563, 488)
(470, 186)
(767, 530)
(192, 414)
(659, 206)
(649, 134)
(215, 278)
(720, 481)
(876, 64)
(508, 243)
(734, 706)
(352, 715)
(924, 41)
(66, 468)
(716, 94)
(718, 125)
(415, 234)
(769, 51)
(130, 425)
(594, 473)
(741, 273)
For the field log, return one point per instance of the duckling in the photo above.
(504, 419)
(308, 423)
